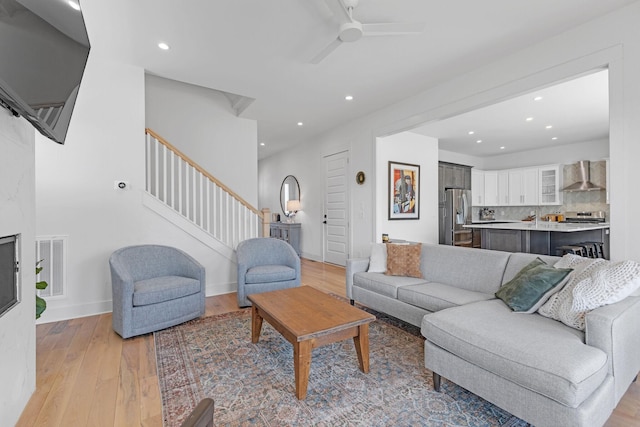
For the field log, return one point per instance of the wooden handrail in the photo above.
(204, 172)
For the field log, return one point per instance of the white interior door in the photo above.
(336, 224)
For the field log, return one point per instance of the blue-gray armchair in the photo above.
(154, 287)
(265, 264)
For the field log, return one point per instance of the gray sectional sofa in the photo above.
(539, 369)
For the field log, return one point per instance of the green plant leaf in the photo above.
(41, 305)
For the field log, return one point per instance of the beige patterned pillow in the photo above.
(403, 260)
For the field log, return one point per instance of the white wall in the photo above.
(460, 158)
(407, 147)
(305, 163)
(608, 41)
(17, 216)
(201, 123)
(75, 182)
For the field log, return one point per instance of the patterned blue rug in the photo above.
(253, 384)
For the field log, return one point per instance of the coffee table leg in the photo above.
(362, 347)
(302, 366)
(256, 324)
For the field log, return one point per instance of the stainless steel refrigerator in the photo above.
(455, 211)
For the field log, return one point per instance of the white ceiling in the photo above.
(576, 110)
(260, 50)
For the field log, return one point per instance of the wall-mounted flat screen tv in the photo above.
(43, 52)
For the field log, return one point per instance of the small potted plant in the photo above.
(41, 304)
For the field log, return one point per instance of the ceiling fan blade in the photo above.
(393, 28)
(326, 51)
(339, 10)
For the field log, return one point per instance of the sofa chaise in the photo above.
(537, 368)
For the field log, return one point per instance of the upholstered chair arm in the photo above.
(291, 258)
(355, 265)
(122, 280)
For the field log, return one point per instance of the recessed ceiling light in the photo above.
(548, 127)
(537, 98)
(478, 141)
(300, 123)
(73, 4)
(529, 119)
(349, 98)
(554, 138)
(471, 132)
(502, 148)
(262, 144)
(163, 46)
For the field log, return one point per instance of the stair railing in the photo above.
(180, 183)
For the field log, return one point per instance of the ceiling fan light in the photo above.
(350, 31)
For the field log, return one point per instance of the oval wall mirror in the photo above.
(289, 190)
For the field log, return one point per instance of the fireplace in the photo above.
(9, 295)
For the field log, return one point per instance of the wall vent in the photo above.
(52, 250)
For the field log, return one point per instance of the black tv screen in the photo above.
(43, 52)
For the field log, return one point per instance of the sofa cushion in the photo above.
(161, 289)
(535, 352)
(435, 296)
(383, 284)
(403, 260)
(518, 260)
(465, 268)
(269, 273)
(533, 286)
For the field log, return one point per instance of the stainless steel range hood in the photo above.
(583, 183)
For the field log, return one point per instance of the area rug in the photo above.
(253, 384)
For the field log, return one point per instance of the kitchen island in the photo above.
(540, 237)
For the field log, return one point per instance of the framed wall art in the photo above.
(404, 191)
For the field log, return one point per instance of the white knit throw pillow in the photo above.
(378, 258)
(593, 283)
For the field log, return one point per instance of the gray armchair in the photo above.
(154, 287)
(265, 264)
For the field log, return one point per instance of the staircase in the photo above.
(181, 191)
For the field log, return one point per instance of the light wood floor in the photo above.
(88, 376)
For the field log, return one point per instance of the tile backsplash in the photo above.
(577, 201)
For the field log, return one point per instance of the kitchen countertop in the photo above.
(561, 227)
(494, 221)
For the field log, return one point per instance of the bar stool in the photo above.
(598, 248)
(570, 249)
(589, 249)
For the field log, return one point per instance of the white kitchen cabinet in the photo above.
(491, 188)
(550, 185)
(496, 188)
(477, 188)
(523, 187)
(502, 195)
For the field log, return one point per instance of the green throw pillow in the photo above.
(533, 286)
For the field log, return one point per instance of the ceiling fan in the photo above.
(352, 30)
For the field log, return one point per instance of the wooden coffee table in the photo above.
(309, 318)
